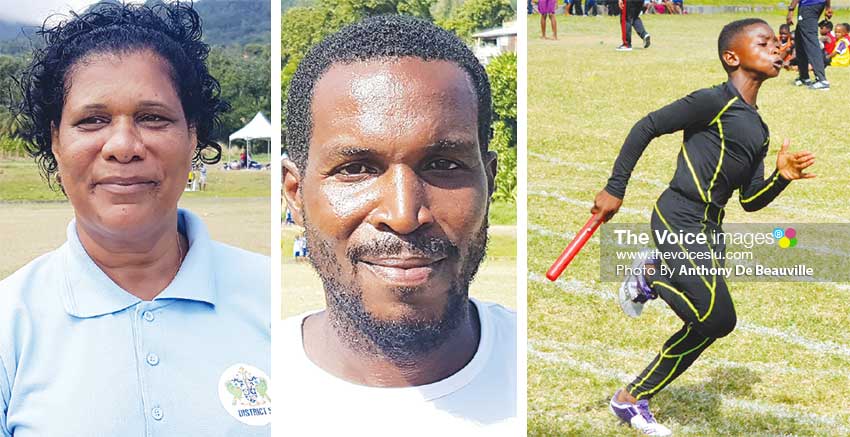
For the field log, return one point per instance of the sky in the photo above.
(35, 11)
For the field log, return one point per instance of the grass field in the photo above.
(21, 181)
(782, 370)
(496, 281)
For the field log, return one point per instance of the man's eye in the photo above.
(356, 169)
(442, 164)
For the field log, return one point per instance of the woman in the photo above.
(139, 324)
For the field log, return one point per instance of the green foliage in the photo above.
(476, 15)
(11, 147)
(502, 71)
(245, 78)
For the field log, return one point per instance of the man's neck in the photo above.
(345, 354)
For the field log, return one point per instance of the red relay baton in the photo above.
(573, 248)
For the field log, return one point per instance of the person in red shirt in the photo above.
(827, 38)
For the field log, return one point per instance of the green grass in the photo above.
(503, 213)
(782, 370)
(20, 181)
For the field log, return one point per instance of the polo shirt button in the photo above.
(147, 315)
(152, 359)
(156, 412)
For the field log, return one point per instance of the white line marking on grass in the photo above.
(629, 355)
(583, 203)
(766, 408)
(781, 204)
(590, 167)
(579, 287)
(537, 229)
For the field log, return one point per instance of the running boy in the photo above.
(725, 143)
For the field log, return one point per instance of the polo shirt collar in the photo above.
(88, 292)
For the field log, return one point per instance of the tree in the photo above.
(245, 78)
(475, 15)
(502, 72)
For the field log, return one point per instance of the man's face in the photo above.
(757, 50)
(395, 194)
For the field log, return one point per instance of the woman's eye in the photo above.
(153, 119)
(92, 122)
(355, 169)
(443, 164)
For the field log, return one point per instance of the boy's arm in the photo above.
(759, 192)
(694, 109)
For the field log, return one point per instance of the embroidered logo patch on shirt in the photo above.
(244, 392)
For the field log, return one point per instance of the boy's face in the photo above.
(824, 30)
(840, 31)
(784, 34)
(757, 50)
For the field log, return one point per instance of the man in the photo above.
(806, 39)
(388, 125)
(630, 17)
(710, 167)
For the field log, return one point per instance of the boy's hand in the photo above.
(605, 205)
(792, 164)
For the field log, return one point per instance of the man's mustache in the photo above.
(392, 245)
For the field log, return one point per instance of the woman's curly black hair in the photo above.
(172, 31)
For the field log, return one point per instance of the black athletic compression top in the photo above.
(725, 143)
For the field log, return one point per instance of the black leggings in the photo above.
(701, 301)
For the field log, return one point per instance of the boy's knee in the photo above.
(718, 325)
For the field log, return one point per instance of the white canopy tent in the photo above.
(258, 128)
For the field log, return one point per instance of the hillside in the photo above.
(226, 22)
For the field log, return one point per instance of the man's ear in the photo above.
(291, 185)
(491, 164)
(731, 59)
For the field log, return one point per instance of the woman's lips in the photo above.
(403, 272)
(125, 185)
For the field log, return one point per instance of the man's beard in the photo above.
(403, 340)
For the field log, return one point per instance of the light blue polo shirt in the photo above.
(79, 356)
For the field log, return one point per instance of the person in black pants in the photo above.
(590, 6)
(806, 40)
(630, 17)
(575, 8)
(613, 7)
(724, 147)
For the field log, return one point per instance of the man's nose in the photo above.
(403, 205)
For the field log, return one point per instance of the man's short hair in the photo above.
(825, 23)
(380, 37)
(731, 31)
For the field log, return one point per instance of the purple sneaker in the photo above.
(635, 292)
(638, 416)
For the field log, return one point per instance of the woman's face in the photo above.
(123, 144)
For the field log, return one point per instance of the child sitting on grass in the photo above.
(840, 56)
(786, 47)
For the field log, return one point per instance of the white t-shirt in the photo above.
(479, 399)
